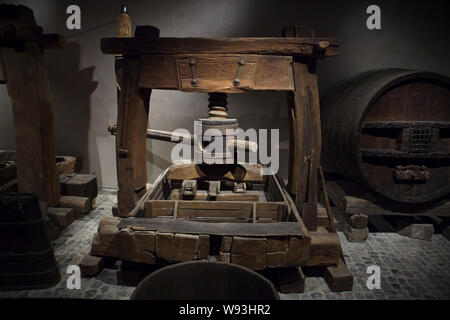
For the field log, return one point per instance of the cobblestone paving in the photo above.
(410, 269)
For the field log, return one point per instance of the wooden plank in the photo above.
(305, 118)
(304, 124)
(132, 122)
(232, 229)
(29, 90)
(272, 46)
(242, 172)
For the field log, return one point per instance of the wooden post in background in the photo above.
(132, 123)
(304, 123)
(28, 87)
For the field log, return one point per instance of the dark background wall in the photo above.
(414, 35)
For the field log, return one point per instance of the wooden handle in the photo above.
(123, 26)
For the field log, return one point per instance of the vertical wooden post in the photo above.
(132, 123)
(33, 121)
(304, 125)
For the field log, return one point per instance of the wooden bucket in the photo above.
(204, 280)
(26, 254)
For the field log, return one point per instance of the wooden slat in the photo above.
(216, 209)
(272, 46)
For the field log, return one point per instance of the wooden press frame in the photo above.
(280, 64)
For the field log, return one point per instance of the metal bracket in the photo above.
(237, 81)
(193, 65)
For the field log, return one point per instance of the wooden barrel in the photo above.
(389, 130)
(26, 254)
(204, 280)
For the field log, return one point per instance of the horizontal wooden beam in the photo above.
(274, 229)
(275, 46)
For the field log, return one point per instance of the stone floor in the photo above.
(410, 269)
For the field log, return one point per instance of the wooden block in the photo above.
(137, 246)
(90, 266)
(225, 244)
(355, 235)
(338, 278)
(79, 185)
(297, 253)
(325, 249)
(248, 245)
(203, 246)
(277, 245)
(62, 217)
(176, 247)
(106, 241)
(78, 204)
(249, 252)
(289, 280)
(358, 221)
(225, 256)
(65, 164)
